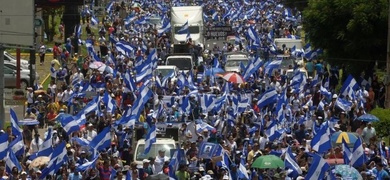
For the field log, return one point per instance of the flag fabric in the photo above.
(11, 161)
(3, 145)
(102, 140)
(88, 165)
(267, 98)
(16, 131)
(291, 164)
(321, 141)
(347, 154)
(318, 168)
(358, 156)
(150, 139)
(184, 29)
(349, 82)
(17, 146)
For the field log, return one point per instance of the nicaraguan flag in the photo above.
(16, 131)
(17, 146)
(3, 145)
(321, 141)
(358, 156)
(272, 65)
(150, 139)
(184, 29)
(11, 161)
(102, 140)
(347, 154)
(318, 168)
(166, 27)
(94, 21)
(291, 164)
(349, 82)
(267, 98)
(87, 165)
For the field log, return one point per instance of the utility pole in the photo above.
(2, 106)
(387, 78)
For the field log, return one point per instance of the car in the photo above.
(12, 59)
(182, 62)
(10, 76)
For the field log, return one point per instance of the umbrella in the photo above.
(338, 137)
(368, 118)
(233, 77)
(39, 161)
(268, 162)
(97, 65)
(347, 172)
(214, 71)
(28, 122)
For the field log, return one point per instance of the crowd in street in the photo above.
(259, 123)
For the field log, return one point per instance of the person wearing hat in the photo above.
(91, 133)
(146, 167)
(159, 161)
(30, 96)
(82, 158)
(23, 175)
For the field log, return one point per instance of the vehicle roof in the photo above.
(237, 56)
(287, 40)
(158, 141)
(292, 70)
(166, 67)
(179, 56)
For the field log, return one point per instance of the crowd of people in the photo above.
(96, 101)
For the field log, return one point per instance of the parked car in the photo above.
(24, 64)
(10, 76)
(233, 62)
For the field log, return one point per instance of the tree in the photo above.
(382, 127)
(299, 4)
(348, 29)
(50, 16)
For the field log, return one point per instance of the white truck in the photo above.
(194, 16)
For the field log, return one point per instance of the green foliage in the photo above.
(299, 4)
(348, 29)
(383, 126)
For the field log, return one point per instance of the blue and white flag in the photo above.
(267, 98)
(358, 156)
(347, 154)
(321, 142)
(16, 131)
(17, 146)
(291, 164)
(184, 29)
(318, 168)
(3, 145)
(271, 66)
(150, 139)
(94, 21)
(87, 165)
(166, 27)
(11, 161)
(343, 104)
(102, 140)
(349, 82)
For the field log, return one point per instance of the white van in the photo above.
(289, 43)
(233, 62)
(182, 62)
(165, 144)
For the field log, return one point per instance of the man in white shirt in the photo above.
(67, 94)
(368, 133)
(159, 162)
